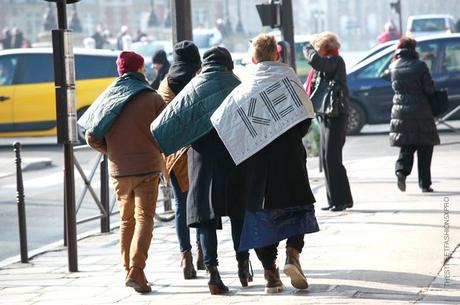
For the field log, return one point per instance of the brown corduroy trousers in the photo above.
(137, 197)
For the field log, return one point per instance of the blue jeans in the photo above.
(182, 231)
(208, 238)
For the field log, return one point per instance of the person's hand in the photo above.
(308, 45)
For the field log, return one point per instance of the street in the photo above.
(44, 187)
(44, 196)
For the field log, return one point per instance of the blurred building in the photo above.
(357, 22)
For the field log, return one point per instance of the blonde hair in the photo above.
(327, 41)
(264, 48)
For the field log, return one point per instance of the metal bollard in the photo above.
(105, 220)
(21, 204)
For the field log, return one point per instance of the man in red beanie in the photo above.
(129, 61)
(135, 160)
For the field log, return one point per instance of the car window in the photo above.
(34, 68)
(375, 69)
(299, 50)
(91, 66)
(428, 25)
(451, 57)
(428, 52)
(7, 68)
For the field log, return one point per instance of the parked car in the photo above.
(206, 39)
(369, 82)
(421, 25)
(27, 94)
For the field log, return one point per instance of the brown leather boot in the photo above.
(215, 284)
(273, 282)
(199, 257)
(136, 279)
(293, 269)
(245, 272)
(187, 266)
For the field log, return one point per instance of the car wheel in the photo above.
(80, 130)
(356, 119)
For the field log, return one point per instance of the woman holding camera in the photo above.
(323, 55)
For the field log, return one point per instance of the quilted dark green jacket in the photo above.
(187, 116)
(105, 109)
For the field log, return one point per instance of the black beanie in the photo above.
(220, 56)
(186, 51)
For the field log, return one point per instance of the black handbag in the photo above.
(439, 102)
(327, 98)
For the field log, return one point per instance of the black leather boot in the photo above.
(215, 284)
(245, 272)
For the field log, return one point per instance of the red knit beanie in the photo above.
(129, 61)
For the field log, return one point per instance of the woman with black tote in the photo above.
(323, 55)
(412, 124)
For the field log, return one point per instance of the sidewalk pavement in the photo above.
(389, 249)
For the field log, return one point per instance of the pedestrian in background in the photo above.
(135, 161)
(161, 65)
(323, 55)
(124, 38)
(6, 39)
(412, 126)
(186, 64)
(389, 33)
(99, 37)
(17, 38)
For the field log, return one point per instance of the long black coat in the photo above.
(276, 177)
(213, 180)
(412, 121)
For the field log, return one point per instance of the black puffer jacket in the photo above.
(412, 121)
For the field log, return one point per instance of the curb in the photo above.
(57, 245)
(27, 164)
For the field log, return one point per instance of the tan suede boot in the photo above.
(187, 266)
(273, 282)
(293, 269)
(136, 279)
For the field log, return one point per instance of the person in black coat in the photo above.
(323, 56)
(161, 65)
(213, 179)
(412, 125)
(276, 179)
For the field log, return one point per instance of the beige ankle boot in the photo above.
(293, 269)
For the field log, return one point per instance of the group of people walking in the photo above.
(177, 130)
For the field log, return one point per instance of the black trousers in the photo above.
(267, 255)
(406, 161)
(333, 132)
